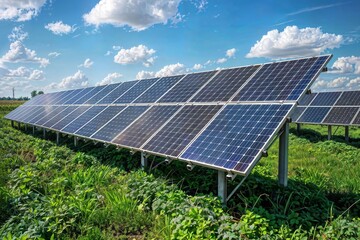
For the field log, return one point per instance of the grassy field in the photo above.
(94, 192)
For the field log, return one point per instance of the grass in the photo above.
(93, 192)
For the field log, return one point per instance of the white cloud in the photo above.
(144, 75)
(168, 70)
(87, 63)
(36, 75)
(200, 4)
(346, 65)
(108, 53)
(198, 66)
(75, 81)
(221, 60)
(19, 53)
(18, 34)
(294, 42)
(54, 54)
(109, 79)
(20, 10)
(340, 83)
(116, 48)
(137, 14)
(231, 53)
(22, 73)
(59, 28)
(136, 54)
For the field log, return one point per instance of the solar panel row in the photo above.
(222, 119)
(330, 108)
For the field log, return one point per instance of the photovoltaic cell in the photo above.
(306, 100)
(158, 89)
(325, 99)
(349, 98)
(102, 93)
(118, 92)
(341, 115)
(36, 111)
(56, 118)
(91, 91)
(297, 113)
(76, 94)
(119, 123)
(357, 119)
(81, 120)
(70, 117)
(139, 132)
(11, 115)
(314, 114)
(99, 121)
(180, 130)
(224, 84)
(66, 96)
(187, 87)
(236, 137)
(47, 110)
(23, 111)
(50, 115)
(136, 90)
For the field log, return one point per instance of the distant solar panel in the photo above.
(314, 114)
(158, 89)
(139, 131)
(235, 139)
(119, 123)
(102, 93)
(35, 112)
(50, 115)
(74, 96)
(341, 115)
(349, 98)
(70, 117)
(118, 92)
(46, 111)
(307, 99)
(85, 95)
(224, 84)
(99, 121)
(57, 117)
(136, 90)
(325, 99)
(187, 87)
(181, 129)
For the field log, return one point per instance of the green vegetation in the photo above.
(94, 192)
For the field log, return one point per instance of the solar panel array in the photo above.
(221, 119)
(329, 108)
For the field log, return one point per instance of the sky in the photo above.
(54, 45)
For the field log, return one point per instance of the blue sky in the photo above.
(54, 45)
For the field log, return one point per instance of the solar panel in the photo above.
(224, 85)
(50, 115)
(85, 95)
(158, 89)
(325, 99)
(119, 91)
(136, 90)
(46, 110)
(36, 111)
(314, 114)
(235, 138)
(16, 112)
(341, 115)
(297, 113)
(18, 115)
(81, 120)
(102, 93)
(56, 118)
(349, 98)
(357, 119)
(119, 123)
(74, 96)
(181, 129)
(139, 132)
(99, 121)
(187, 87)
(307, 99)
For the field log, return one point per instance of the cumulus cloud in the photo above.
(109, 79)
(200, 4)
(20, 10)
(168, 70)
(346, 65)
(198, 66)
(19, 53)
(54, 54)
(136, 54)
(22, 73)
(221, 60)
(137, 14)
(87, 63)
(144, 75)
(77, 80)
(231, 53)
(59, 28)
(340, 83)
(36, 75)
(294, 42)
(18, 34)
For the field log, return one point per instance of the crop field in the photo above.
(97, 192)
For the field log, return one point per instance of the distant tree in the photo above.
(40, 92)
(33, 93)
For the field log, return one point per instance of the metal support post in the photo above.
(283, 155)
(222, 186)
(26, 127)
(12, 123)
(44, 133)
(347, 134)
(329, 132)
(33, 130)
(298, 127)
(57, 138)
(144, 161)
(75, 141)
(19, 125)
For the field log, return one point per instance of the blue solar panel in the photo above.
(297, 113)
(119, 91)
(46, 111)
(140, 131)
(181, 129)
(158, 89)
(81, 120)
(99, 121)
(349, 98)
(357, 119)
(102, 93)
(18, 113)
(70, 117)
(78, 93)
(50, 115)
(186, 88)
(325, 99)
(36, 111)
(307, 99)
(341, 115)
(314, 115)
(136, 90)
(57, 117)
(86, 95)
(119, 123)
(236, 137)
